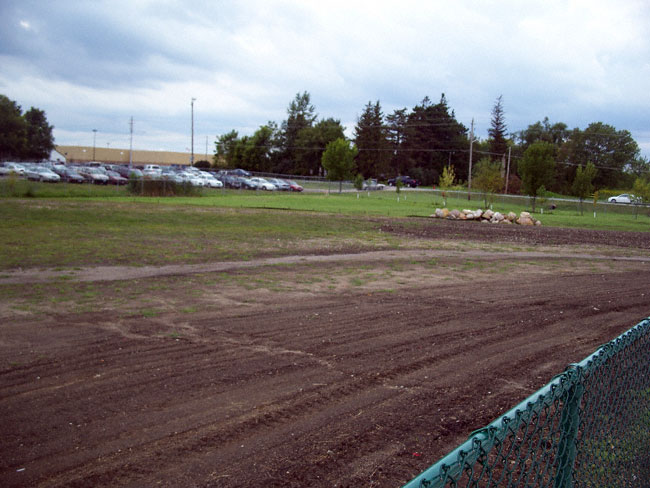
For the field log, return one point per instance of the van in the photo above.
(152, 170)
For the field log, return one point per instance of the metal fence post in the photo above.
(569, 423)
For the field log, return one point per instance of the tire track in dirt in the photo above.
(280, 383)
(119, 273)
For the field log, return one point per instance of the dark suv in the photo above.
(406, 181)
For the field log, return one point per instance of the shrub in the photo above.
(145, 187)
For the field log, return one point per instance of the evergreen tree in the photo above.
(370, 139)
(497, 131)
(395, 136)
(300, 115)
(434, 138)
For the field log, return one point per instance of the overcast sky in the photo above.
(93, 65)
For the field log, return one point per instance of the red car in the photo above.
(293, 186)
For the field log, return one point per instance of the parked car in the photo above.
(240, 172)
(372, 185)
(127, 172)
(37, 172)
(67, 174)
(210, 180)
(152, 171)
(262, 184)
(247, 183)
(12, 168)
(406, 181)
(231, 181)
(279, 184)
(191, 178)
(114, 178)
(293, 186)
(624, 198)
(93, 175)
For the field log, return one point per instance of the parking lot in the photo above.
(114, 174)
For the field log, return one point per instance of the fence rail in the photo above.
(589, 427)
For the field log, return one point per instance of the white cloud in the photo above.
(98, 63)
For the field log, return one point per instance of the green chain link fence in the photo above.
(589, 427)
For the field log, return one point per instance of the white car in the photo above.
(624, 198)
(210, 180)
(12, 168)
(152, 171)
(372, 185)
(262, 184)
(192, 179)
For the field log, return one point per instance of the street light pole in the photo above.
(94, 139)
(192, 156)
(469, 176)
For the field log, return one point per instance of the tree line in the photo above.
(24, 136)
(421, 142)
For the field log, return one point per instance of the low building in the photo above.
(84, 154)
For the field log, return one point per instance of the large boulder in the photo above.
(469, 214)
(525, 221)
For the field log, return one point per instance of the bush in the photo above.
(203, 164)
(145, 187)
(358, 181)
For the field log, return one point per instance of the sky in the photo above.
(93, 65)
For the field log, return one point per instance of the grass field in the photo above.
(382, 203)
(65, 225)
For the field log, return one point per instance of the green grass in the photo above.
(73, 230)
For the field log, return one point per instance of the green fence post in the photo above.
(569, 423)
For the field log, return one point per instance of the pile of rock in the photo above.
(487, 216)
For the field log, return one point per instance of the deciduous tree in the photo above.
(583, 182)
(487, 178)
(24, 137)
(338, 161)
(537, 168)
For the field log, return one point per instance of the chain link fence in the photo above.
(589, 427)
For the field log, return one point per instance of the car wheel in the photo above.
(613, 201)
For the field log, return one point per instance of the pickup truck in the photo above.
(406, 181)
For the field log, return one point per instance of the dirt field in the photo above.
(305, 371)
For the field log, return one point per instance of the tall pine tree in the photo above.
(497, 132)
(370, 138)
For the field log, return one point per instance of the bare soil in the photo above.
(330, 382)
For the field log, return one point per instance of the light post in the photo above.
(94, 139)
(192, 156)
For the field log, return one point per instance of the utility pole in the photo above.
(131, 146)
(469, 177)
(94, 140)
(192, 156)
(508, 170)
